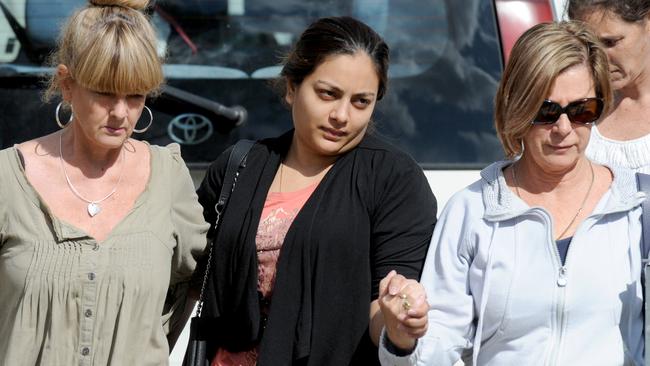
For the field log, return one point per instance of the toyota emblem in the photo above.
(190, 129)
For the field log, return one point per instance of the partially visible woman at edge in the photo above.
(318, 217)
(623, 26)
(538, 262)
(98, 232)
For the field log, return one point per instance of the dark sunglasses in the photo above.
(584, 111)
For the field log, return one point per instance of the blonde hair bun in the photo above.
(133, 4)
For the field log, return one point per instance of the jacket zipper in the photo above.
(561, 282)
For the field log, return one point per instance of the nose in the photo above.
(340, 113)
(563, 125)
(120, 109)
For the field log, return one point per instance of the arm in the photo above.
(190, 234)
(445, 278)
(4, 202)
(403, 222)
(3, 220)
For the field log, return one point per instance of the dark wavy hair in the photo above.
(334, 36)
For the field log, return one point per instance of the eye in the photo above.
(610, 42)
(326, 94)
(362, 102)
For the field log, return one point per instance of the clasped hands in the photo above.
(404, 306)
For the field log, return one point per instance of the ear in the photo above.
(290, 93)
(65, 81)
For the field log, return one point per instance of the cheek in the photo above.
(136, 116)
(584, 134)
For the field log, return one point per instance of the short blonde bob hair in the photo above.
(541, 54)
(109, 46)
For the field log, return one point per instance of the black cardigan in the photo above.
(372, 212)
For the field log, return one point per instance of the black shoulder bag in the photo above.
(643, 180)
(197, 348)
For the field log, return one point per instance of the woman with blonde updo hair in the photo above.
(98, 232)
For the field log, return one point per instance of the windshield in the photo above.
(445, 64)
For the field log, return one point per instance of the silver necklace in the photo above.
(582, 205)
(93, 207)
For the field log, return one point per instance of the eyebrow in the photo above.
(365, 94)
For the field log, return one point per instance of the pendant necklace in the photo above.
(582, 205)
(281, 170)
(93, 207)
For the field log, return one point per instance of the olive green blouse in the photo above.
(66, 299)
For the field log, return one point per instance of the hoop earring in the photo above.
(148, 125)
(56, 116)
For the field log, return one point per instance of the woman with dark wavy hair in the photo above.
(319, 216)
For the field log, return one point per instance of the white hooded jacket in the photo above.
(500, 295)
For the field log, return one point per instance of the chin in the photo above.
(332, 148)
(111, 142)
(561, 163)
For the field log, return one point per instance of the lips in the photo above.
(114, 130)
(333, 134)
(560, 148)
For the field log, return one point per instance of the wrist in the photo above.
(398, 348)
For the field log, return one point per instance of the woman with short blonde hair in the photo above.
(525, 83)
(539, 261)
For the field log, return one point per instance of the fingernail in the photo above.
(412, 312)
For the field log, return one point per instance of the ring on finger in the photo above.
(405, 302)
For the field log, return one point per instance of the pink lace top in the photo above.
(279, 211)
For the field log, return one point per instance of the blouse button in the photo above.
(88, 313)
(91, 276)
(85, 351)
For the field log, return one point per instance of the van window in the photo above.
(445, 65)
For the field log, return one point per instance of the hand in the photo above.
(403, 304)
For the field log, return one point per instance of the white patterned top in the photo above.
(633, 154)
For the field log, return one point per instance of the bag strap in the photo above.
(643, 180)
(236, 162)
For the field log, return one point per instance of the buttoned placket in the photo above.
(91, 250)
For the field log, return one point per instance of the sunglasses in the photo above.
(584, 111)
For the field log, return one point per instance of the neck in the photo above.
(636, 90)
(92, 160)
(306, 161)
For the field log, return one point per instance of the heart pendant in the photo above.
(93, 209)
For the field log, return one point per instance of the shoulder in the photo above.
(468, 200)
(167, 164)
(44, 146)
(168, 156)
(388, 158)
(8, 160)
